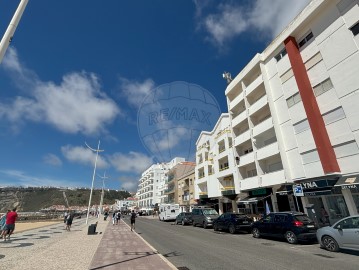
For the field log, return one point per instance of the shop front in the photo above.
(327, 200)
(255, 203)
(349, 186)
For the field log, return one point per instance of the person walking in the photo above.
(9, 224)
(69, 219)
(2, 222)
(133, 220)
(118, 217)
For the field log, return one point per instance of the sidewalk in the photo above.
(121, 248)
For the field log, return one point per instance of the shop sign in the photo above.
(298, 190)
(261, 191)
(350, 187)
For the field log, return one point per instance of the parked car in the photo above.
(204, 216)
(293, 226)
(343, 234)
(233, 223)
(184, 218)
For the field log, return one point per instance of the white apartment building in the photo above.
(294, 114)
(126, 204)
(153, 185)
(216, 175)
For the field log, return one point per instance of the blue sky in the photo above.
(78, 71)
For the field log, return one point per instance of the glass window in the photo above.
(337, 208)
(349, 223)
(355, 193)
(355, 29)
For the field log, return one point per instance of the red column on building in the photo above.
(315, 119)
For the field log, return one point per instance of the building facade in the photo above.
(294, 118)
(186, 197)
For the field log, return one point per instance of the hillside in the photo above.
(34, 199)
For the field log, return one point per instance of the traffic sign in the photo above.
(298, 190)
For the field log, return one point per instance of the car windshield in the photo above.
(210, 212)
(303, 218)
(187, 214)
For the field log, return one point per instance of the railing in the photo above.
(224, 168)
(227, 188)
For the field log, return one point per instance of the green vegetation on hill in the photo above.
(34, 199)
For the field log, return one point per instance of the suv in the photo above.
(204, 216)
(292, 226)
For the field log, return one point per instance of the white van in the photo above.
(168, 211)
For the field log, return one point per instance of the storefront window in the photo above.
(355, 193)
(337, 208)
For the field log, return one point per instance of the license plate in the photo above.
(245, 222)
(310, 226)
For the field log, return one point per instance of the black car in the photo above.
(233, 223)
(184, 218)
(293, 226)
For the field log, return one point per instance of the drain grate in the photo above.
(183, 268)
(325, 256)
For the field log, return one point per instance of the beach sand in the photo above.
(24, 226)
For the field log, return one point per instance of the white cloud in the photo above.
(134, 91)
(83, 155)
(76, 105)
(52, 160)
(133, 162)
(129, 183)
(263, 17)
(19, 178)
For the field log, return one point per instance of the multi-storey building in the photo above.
(152, 185)
(216, 174)
(176, 173)
(294, 116)
(126, 204)
(186, 198)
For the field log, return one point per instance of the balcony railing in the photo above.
(224, 168)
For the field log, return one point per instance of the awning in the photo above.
(285, 190)
(249, 200)
(348, 182)
(318, 186)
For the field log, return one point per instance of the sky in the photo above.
(79, 72)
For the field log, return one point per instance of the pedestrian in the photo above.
(65, 217)
(114, 218)
(2, 221)
(9, 224)
(133, 220)
(105, 215)
(69, 219)
(118, 217)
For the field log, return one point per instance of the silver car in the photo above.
(343, 234)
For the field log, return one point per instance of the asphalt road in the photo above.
(195, 248)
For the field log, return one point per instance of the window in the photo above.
(349, 223)
(305, 40)
(355, 29)
(334, 115)
(301, 126)
(280, 55)
(323, 87)
(291, 101)
(252, 173)
(248, 150)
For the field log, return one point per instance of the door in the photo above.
(349, 232)
(220, 222)
(278, 226)
(266, 224)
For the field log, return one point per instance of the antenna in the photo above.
(227, 76)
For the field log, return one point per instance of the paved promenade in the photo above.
(52, 247)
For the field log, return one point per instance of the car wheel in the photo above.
(232, 229)
(183, 223)
(205, 225)
(215, 227)
(330, 244)
(291, 237)
(256, 233)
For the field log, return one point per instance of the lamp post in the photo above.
(93, 177)
(102, 194)
(9, 33)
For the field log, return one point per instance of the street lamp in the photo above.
(102, 194)
(9, 33)
(93, 177)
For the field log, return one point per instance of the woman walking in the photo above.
(133, 219)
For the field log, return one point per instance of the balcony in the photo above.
(253, 85)
(236, 101)
(268, 151)
(239, 119)
(250, 183)
(203, 195)
(260, 103)
(273, 178)
(227, 191)
(246, 159)
(243, 137)
(263, 126)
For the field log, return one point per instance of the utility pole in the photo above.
(93, 177)
(9, 33)
(102, 194)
